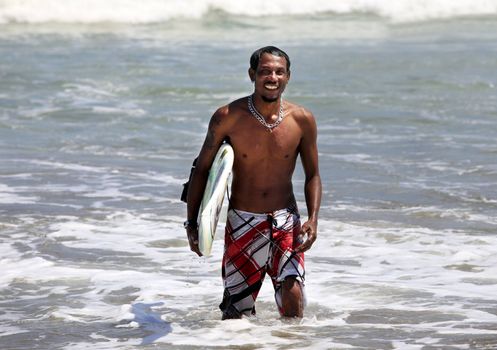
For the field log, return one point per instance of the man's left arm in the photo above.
(313, 188)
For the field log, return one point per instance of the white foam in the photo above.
(355, 158)
(12, 195)
(447, 213)
(136, 112)
(152, 11)
(70, 166)
(370, 265)
(350, 268)
(10, 330)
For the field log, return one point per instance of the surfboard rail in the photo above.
(212, 200)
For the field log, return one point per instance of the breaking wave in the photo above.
(157, 11)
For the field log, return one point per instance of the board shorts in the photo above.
(255, 245)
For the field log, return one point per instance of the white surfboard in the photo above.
(212, 202)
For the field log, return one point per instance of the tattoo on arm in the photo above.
(210, 140)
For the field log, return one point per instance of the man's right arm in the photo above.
(213, 140)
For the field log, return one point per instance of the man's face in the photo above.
(271, 77)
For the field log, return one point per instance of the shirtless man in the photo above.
(263, 230)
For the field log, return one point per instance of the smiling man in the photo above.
(263, 230)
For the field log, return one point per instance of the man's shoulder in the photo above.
(229, 113)
(299, 113)
(233, 108)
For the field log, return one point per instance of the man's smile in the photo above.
(271, 86)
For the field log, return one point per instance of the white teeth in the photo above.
(270, 87)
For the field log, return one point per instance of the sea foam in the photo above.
(156, 11)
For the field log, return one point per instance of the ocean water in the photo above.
(103, 106)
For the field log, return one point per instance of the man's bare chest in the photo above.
(261, 143)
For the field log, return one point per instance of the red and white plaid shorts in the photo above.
(256, 244)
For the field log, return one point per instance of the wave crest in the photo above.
(156, 11)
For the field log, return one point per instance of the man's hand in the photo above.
(309, 229)
(192, 234)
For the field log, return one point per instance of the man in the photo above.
(263, 231)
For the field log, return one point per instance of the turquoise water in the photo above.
(99, 123)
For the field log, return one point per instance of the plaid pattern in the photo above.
(256, 244)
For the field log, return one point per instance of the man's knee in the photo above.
(292, 298)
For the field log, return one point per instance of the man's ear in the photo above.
(251, 74)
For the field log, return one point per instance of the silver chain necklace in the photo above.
(261, 119)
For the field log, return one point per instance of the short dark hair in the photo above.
(273, 50)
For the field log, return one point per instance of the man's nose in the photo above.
(273, 75)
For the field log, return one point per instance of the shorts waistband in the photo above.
(291, 209)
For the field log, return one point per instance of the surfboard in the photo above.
(212, 201)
